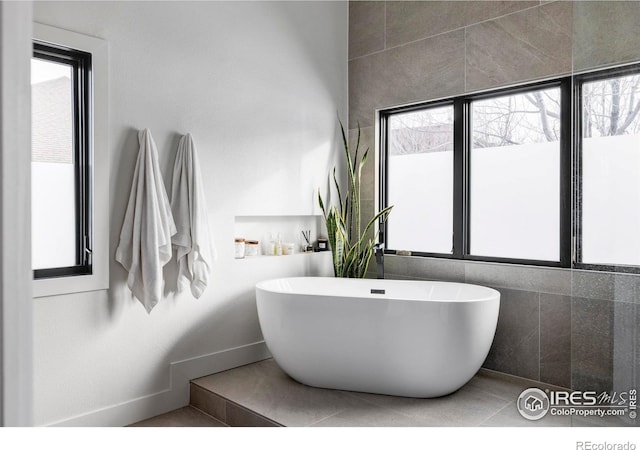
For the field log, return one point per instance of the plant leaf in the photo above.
(335, 181)
(321, 203)
(350, 246)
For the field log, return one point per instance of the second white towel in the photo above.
(193, 244)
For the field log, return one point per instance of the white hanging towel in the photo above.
(145, 238)
(194, 247)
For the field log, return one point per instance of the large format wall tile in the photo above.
(366, 28)
(591, 344)
(528, 278)
(404, 266)
(555, 339)
(414, 20)
(591, 317)
(619, 287)
(423, 70)
(523, 46)
(424, 268)
(626, 346)
(605, 33)
(516, 346)
(479, 11)
(411, 21)
(591, 363)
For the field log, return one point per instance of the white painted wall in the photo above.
(16, 349)
(258, 85)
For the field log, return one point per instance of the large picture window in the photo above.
(609, 176)
(544, 174)
(61, 162)
(514, 176)
(420, 174)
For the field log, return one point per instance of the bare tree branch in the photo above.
(543, 116)
(615, 106)
(633, 110)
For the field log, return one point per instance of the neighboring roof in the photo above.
(51, 121)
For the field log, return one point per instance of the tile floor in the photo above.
(261, 394)
(183, 417)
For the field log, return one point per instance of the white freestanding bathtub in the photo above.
(404, 338)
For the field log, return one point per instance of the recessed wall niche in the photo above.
(288, 229)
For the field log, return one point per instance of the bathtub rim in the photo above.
(491, 293)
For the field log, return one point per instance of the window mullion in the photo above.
(576, 237)
(566, 150)
(459, 178)
(382, 177)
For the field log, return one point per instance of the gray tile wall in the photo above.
(575, 329)
(545, 332)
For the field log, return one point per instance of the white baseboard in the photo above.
(176, 395)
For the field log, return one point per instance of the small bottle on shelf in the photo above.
(278, 246)
(239, 247)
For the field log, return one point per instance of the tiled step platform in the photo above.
(187, 416)
(261, 394)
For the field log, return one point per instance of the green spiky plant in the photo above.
(350, 247)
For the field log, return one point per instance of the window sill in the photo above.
(70, 285)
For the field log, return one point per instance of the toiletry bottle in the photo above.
(239, 247)
(278, 249)
(272, 245)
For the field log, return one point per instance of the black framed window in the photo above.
(514, 175)
(61, 161)
(543, 173)
(419, 167)
(608, 170)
